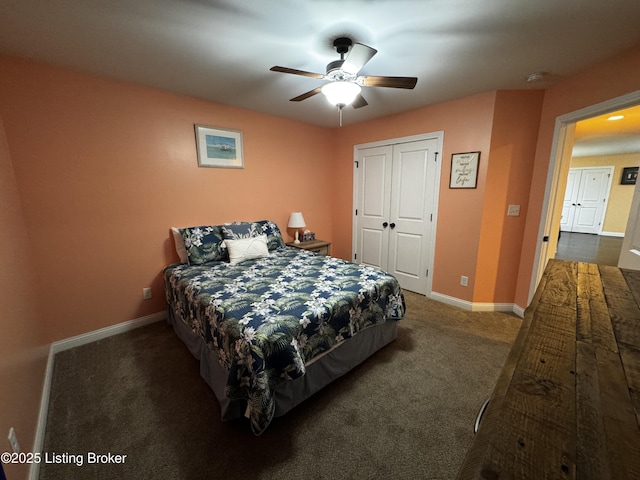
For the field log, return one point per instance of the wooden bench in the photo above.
(567, 403)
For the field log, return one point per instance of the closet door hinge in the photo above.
(435, 156)
(355, 256)
(357, 164)
(427, 272)
(431, 217)
(356, 211)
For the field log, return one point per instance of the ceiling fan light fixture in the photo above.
(341, 93)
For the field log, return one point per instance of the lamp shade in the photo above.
(296, 220)
(341, 93)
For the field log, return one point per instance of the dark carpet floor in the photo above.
(405, 413)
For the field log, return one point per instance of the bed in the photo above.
(273, 324)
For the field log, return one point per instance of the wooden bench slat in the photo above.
(592, 455)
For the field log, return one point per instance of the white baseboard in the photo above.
(471, 306)
(518, 310)
(66, 344)
(89, 337)
(613, 234)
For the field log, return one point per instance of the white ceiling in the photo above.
(222, 50)
(602, 135)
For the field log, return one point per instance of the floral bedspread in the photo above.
(267, 318)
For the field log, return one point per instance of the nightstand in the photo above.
(317, 246)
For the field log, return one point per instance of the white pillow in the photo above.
(179, 243)
(247, 248)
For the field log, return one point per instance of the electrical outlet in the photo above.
(513, 211)
(146, 293)
(464, 280)
(13, 441)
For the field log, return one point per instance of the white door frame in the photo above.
(439, 136)
(549, 217)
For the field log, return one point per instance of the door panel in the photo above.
(405, 261)
(374, 170)
(371, 248)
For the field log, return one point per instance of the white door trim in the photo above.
(548, 218)
(439, 136)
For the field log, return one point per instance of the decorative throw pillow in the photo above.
(203, 244)
(238, 230)
(271, 230)
(178, 241)
(244, 249)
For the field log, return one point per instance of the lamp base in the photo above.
(297, 240)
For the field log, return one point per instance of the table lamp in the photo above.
(296, 220)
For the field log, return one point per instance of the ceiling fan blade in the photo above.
(357, 57)
(306, 95)
(391, 82)
(359, 101)
(296, 72)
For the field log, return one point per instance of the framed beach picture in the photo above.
(464, 170)
(219, 148)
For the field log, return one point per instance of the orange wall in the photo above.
(610, 79)
(23, 352)
(104, 169)
(508, 181)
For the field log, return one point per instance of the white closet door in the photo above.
(412, 193)
(372, 205)
(570, 199)
(585, 199)
(592, 195)
(395, 199)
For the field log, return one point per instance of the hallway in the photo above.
(584, 247)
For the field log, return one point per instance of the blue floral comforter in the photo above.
(267, 318)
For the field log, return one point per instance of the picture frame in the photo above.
(219, 148)
(629, 176)
(464, 170)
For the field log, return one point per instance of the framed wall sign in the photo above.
(464, 170)
(629, 176)
(219, 148)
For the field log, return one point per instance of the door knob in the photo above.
(573, 204)
(385, 224)
(393, 225)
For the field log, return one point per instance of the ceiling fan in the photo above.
(344, 82)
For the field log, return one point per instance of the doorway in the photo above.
(548, 231)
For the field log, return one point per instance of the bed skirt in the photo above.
(319, 372)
